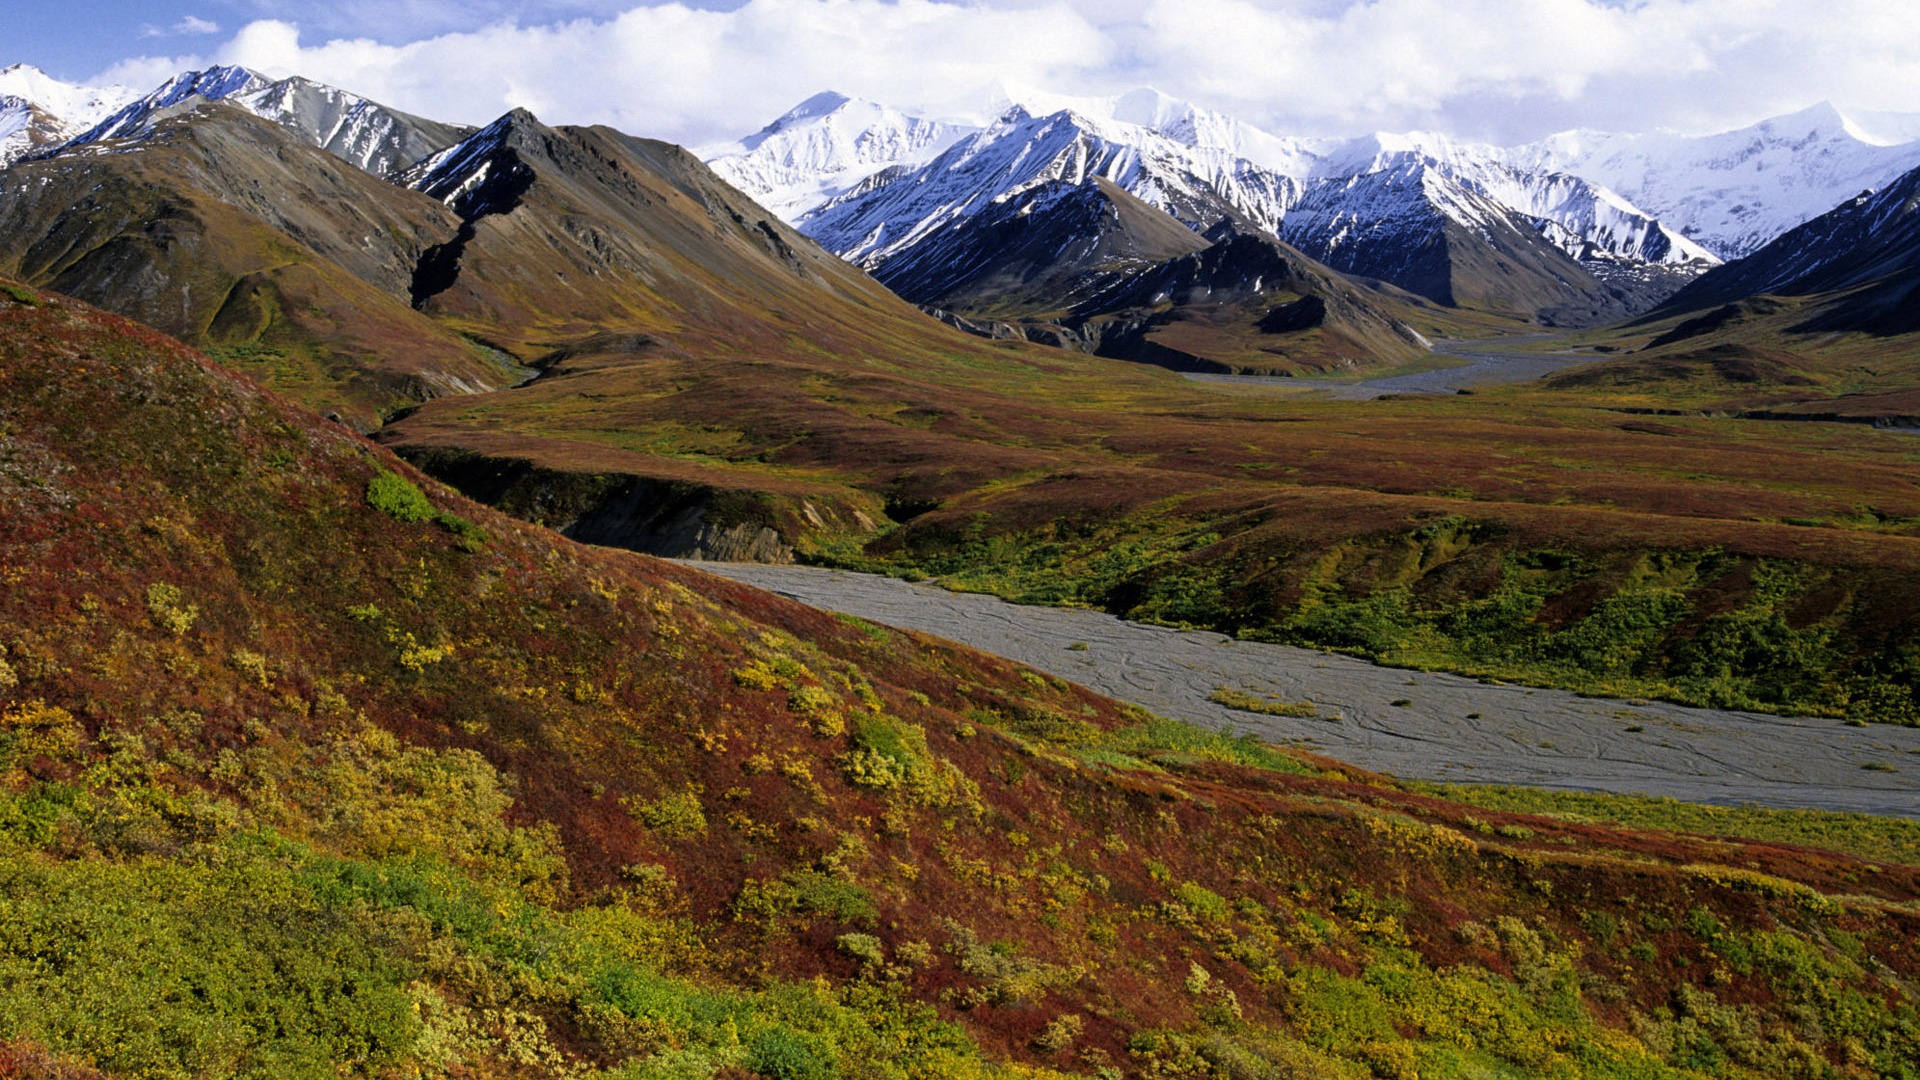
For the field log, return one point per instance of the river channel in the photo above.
(1415, 725)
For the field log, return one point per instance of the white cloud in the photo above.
(1504, 69)
(191, 26)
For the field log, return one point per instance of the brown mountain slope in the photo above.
(224, 230)
(581, 231)
(1250, 304)
(1822, 322)
(389, 783)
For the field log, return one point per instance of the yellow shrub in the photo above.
(37, 729)
(166, 606)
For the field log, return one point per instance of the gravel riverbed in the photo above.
(1415, 725)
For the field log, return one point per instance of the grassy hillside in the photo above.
(310, 768)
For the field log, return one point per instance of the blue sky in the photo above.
(701, 71)
(78, 39)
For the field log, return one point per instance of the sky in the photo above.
(701, 72)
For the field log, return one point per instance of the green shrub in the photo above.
(862, 947)
(780, 1053)
(397, 497)
(234, 969)
(1234, 699)
(1062, 1033)
(807, 892)
(1204, 902)
(467, 535)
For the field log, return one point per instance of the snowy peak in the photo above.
(213, 84)
(1821, 121)
(71, 102)
(1151, 109)
(378, 139)
(1735, 191)
(819, 105)
(38, 111)
(824, 147)
(372, 136)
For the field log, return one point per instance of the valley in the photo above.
(1435, 657)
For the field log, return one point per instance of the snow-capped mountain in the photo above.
(1734, 192)
(1661, 197)
(1204, 168)
(138, 116)
(482, 174)
(38, 111)
(1585, 218)
(1047, 248)
(893, 210)
(1423, 230)
(1862, 258)
(377, 138)
(825, 146)
(1340, 202)
(374, 137)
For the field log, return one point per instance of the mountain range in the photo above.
(381, 259)
(1551, 232)
(1577, 228)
